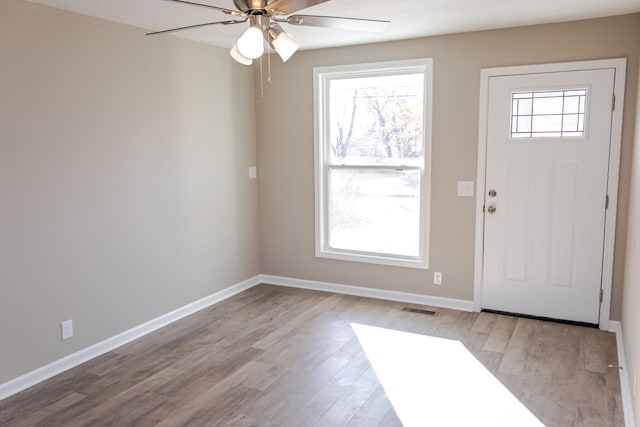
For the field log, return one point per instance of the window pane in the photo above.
(524, 124)
(377, 120)
(547, 94)
(547, 106)
(524, 106)
(571, 104)
(570, 123)
(376, 211)
(547, 123)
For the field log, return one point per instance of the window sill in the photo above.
(373, 259)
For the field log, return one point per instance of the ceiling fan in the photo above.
(265, 17)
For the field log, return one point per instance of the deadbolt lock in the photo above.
(492, 193)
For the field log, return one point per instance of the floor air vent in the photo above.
(420, 311)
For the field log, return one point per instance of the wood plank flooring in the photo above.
(274, 356)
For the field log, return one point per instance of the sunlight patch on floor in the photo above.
(436, 381)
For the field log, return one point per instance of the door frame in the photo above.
(619, 65)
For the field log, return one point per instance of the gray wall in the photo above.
(124, 189)
(285, 147)
(631, 300)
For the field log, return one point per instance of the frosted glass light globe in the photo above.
(285, 45)
(239, 57)
(250, 45)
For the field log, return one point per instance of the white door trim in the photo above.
(619, 64)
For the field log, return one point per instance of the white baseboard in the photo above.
(407, 297)
(625, 388)
(34, 377)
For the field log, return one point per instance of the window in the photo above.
(548, 114)
(373, 147)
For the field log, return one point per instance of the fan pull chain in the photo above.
(268, 65)
(261, 80)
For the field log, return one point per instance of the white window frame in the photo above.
(321, 78)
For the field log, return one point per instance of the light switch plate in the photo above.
(253, 172)
(465, 188)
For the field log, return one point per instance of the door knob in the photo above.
(491, 209)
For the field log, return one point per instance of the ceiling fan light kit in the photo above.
(264, 17)
(251, 44)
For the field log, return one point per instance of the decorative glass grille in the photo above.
(548, 114)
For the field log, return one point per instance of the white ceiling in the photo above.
(409, 18)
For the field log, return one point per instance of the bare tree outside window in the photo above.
(344, 129)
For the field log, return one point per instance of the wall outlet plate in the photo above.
(437, 278)
(66, 329)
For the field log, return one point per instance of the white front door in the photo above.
(548, 147)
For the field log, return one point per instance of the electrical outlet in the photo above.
(437, 278)
(66, 328)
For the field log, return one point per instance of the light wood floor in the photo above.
(274, 356)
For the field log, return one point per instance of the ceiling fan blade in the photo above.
(188, 27)
(208, 6)
(287, 7)
(352, 24)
